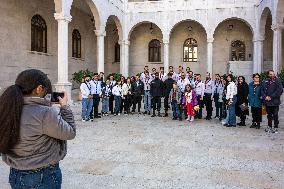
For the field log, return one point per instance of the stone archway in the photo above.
(140, 36)
(225, 58)
(182, 31)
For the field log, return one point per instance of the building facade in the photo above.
(61, 37)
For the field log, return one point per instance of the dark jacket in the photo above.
(168, 85)
(273, 89)
(242, 98)
(137, 90)
(156, 88)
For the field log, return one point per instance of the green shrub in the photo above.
(78, 76)
(116, 76)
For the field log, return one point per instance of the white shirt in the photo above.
(217, 86)
(191, 82)
(112, 83)
(146, 81)
(199, 88)
(231, 90)
(162, 76)
(209, 87)
(116, 90)
(96, 87)
(182, 83)
(85, 89)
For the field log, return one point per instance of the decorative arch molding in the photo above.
(132, 27)
(263, 19)
(118, 24)
(249, 24)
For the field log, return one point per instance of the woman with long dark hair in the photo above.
(242, 109)
(32, 133)
(231, 97)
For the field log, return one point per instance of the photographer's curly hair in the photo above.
(12, 102)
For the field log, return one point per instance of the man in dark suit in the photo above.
(137, 92)
(156, 91)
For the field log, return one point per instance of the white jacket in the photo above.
(116, 90)
(125, 89)
(231, 90)
(85, 89)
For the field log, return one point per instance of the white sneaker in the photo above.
(188, 119)
(106, 114)
(192, 119)
(119, 114)
(83, 120)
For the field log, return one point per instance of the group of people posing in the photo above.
(186, 94)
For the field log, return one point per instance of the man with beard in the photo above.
(168, 85)
(199, 89)
(156, 91)
(271, 91)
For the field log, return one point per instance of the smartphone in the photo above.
(55, 95)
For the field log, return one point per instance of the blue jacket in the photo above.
(254, 96)
(273, 90)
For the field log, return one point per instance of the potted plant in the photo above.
(77, 78)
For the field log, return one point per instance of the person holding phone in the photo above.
(32, 133)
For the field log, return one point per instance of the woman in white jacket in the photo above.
(231, 97)
(116, 91)
(126, 96)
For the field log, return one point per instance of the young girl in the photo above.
(105, 95)
(190, 100)
(116, 91)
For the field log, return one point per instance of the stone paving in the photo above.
(137, 152)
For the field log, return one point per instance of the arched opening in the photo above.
(140, 37)
(188, 47)
(112, 46)
(154, 51)
(233, 48)
(267, 32)
(38, 34)
(76, 44)
(280, 19)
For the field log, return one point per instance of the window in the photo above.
(190, 50)
(154, 51)
(38, 34)
(238, 51)
(117, 52)
(76, 44)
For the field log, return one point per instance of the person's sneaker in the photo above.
(83, 120)
(119, 114)
(145, 112)
(253, 125)
(149, 113)
(188, 119)
(174, 118)
(154, 115)
(276, 126)
(268, 129)
(91, 119)
(274, 130)
(192, 119)
(115, 114)
(159, 114)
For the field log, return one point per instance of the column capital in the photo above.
(124, 42)
(210, 40)
(100, 33)
(166, 41)
(276, 27)
(60, 16)
(258, 38)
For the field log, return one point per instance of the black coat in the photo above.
(137, 90)
(274, 90)
(156, 88)
(168, 85)
(242, 97)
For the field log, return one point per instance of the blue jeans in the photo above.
(44, 178)
(87, 105)
(147, 101)
(117, 100)
(231, 117)
(105, 105)
(175, 109)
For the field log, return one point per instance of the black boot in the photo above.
(253, 125)
(166, 113)
(257, 126)
(159, 114)
(154, 114)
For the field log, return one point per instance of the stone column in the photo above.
(166, 56)
(258, 54)
(100, 50)
(124, 56)
(277, 47)
(62, 54)
(210, 55)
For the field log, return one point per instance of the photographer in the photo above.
(32, 133)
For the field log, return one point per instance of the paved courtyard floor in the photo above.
(137, 152)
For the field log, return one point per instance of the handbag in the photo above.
(263, 110)
(243, 107)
